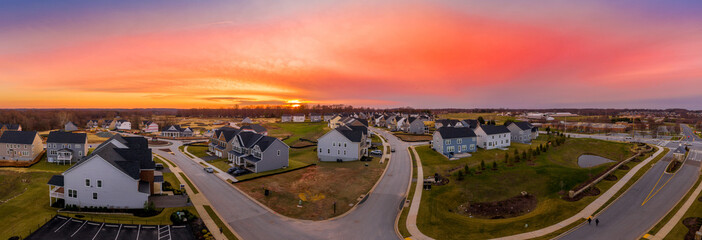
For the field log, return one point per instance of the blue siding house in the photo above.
(454, 141)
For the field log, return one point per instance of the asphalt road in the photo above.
(688, 134)
(644, 204)
(373, 219)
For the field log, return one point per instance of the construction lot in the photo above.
(61, 227)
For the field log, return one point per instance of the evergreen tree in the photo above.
(494, 165)
(482, 164)
(524, 155)
(481, 120)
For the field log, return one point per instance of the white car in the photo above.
(208, 169)
(376, 152)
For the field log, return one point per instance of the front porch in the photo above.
(56, 191)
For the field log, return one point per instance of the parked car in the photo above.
(392, 149)
(240, 172)
(376, 152)
(209, 169)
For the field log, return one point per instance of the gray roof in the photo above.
(177, 128)
(352, 133)
(448, 122)
(472, 123)
(492, 129)
(523, 125)
(248, 139)
(66, 137)
(454, 132)
(56, 180)
(680, 150)
(255, 127)
(264, 142)
(129, 160)
(18, 137)
(10, 126)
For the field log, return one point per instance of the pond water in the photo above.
(586, 160)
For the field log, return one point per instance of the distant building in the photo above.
(328, 116)
(66, 147)
(299, 117)
(176, 131)
(315, 117)
(70, 127)
(148, 126)
(490, 136)
(92, 124)
(255, 128)
(415, 125)
(447, 123)
(123, 125)
(451, 141)
(9, 127)
(520, 131)
(286, 118)
(247, 120)
(20, 145)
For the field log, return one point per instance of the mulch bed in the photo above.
(590, 192)
(158, 143)
(610, 178)
(624, 167)
(512, 207)
(693, 224)
(699, 199)
(674, 166)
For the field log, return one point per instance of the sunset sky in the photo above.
(422, 54)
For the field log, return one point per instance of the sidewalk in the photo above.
(590, 209)
(416, 199)
(198, 200)
(678, 215)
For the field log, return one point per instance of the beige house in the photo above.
(20, 145)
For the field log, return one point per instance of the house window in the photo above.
(344, 152)
(77, 145)
(87, 182)
(279, 152)
(448, 141)
(338, 152)
(328, 150)
(80, 153)
(94, 195)
(334, 144)
(464, 147)
(320, 150)
(459, 141)
(99, 183)
(344, 144)
(450, 149)
(25, 146)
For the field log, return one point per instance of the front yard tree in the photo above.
(482, 164)
(506, 158)
(481, 120)
(494, 165)
(524, 155)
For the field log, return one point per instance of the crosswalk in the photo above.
(164, 232)
(694, 155)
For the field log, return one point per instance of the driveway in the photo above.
(372, 219)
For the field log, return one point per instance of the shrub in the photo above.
(482, 164)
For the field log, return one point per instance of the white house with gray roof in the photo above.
(176, 131)
(344, 143)
(491, 136)
(520, 131)
(119, 174)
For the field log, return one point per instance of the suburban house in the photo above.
(415, 125)
(20, 145)
(247, 120)
(491, 136)
(328, 116)
(9, 127)
(520, 131)
(379, 121)
(108, 124)
(344, 143)
(119, 174)
(392, 122)
(256, 129)
(471, 123)
(335, 121)
(219, 142)
(454, 141)
(534, 132)
(176, 131)
(123, 125)
(148, 126)
(258, 153)
(286, 118)
(70, 127)
(66, 147)
(300, 117)
(315, 117)
(92, 124)
(448, 123)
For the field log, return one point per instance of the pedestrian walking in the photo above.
(589, 220)
(597, 222)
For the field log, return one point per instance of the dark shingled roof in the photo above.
(18, 137)
(472, 123)
(56, 180)
(523, 125)
(353, 133)
(66, 137)
(265, 142)
(680, 150)
(448, 122)
(177, 127)
(248, 139)
(10, 126)
(492, 129)
(255, 127)
(454, 132)
(129, 160)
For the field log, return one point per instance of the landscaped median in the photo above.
(220, 224)
(402, 221)
(515, 197)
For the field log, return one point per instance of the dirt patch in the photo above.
(157, 143)
(693, 224)
(590, 192)
(699, 199)
(413, 137)
(624, 167)
(512, 207)
(610, 178)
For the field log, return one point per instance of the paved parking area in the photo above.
(68, 228)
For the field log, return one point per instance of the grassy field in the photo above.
(29, 208)
(487, 116)
(552, 173)
(225, 230)
(295, 131)
(319, 187)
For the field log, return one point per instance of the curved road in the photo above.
(373, 219)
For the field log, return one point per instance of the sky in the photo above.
(421, 54)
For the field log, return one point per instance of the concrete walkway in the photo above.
(198, 201)
(416, 199)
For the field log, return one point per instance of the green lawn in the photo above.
(402, 222)
(552, 173)
(195, 191)
(163, 218)
(198, 150)
(221, 163)
(44, 165)
(227, 233)
(28, 210)
(295, 131)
